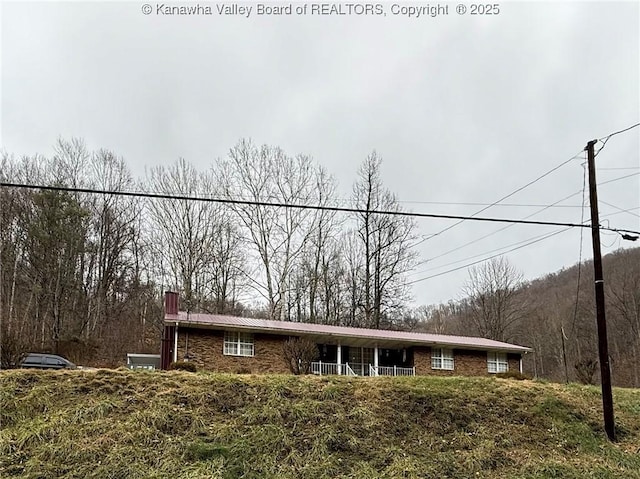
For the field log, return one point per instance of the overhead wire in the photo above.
(453, 250)
(621, 168)
(510, 225)
(619, 178)
(543, 237)
(529, 184)
(619, 131)
(507, 196)
(293, 205)
(488, 258)
(622, 210)
(516, 205)
(606, 138)
(575, 309)
(434, 268)
(530, 239)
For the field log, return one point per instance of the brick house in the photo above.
(233, 344)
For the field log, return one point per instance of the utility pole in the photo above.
(564, 356)
(603, 348)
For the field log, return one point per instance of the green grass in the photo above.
(121, 424)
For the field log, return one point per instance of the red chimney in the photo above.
(170, 302)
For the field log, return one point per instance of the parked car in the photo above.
(46, 361)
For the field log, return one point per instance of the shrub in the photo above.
(513, 375)
(586, 370)
(183, 366)
(243, 371)
(12, 351)
(299, 353)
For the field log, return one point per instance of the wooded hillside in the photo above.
(83, 274)
(540, 312)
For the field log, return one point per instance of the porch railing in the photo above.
(325, 369)
(391, 371)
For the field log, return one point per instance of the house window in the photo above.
(442, 359)
(497, 362)
(238, 344)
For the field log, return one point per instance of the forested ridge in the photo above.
(83, 274)
(539, 313)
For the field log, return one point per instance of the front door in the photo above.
(360, 359)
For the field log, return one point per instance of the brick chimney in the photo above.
(170, 302)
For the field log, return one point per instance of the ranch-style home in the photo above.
(233, 344)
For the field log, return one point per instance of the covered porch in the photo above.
(353, 360)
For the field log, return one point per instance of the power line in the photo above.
(575, 309)
(493, 256)
(537, 240)
(475, 240)
(543, 236)
(518, 205)
(507, 196)
(490, 257)
(509, 226)
(616, 239)
(618, 132)
(621, 210)
(628, 210)
(525, 186)
(296, 206)
(619, 178)
(621, 168)
(605, 139)
(477, 255)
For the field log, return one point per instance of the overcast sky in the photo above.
(462, 108)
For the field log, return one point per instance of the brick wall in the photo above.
(205, 348)
(466, 363)
(514, 362)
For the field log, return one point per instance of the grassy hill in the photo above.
(121, 424)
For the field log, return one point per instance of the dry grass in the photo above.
(120, 424)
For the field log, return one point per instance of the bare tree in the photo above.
(70, 252)
(189, 234)
(12, 249)
(315, 277)
(433, 318)
(277, 236)
(493, 300)
(386, 241)
(623, 298)
(354, 259)
(112, 253)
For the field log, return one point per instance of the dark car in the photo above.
(46, 361)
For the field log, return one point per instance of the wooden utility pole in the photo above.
(564, 356)
(603, 347)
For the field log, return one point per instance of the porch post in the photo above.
(175, 344)
(520, 363)
(375, 357)
(339, 360)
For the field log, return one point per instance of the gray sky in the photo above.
(462, 108)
